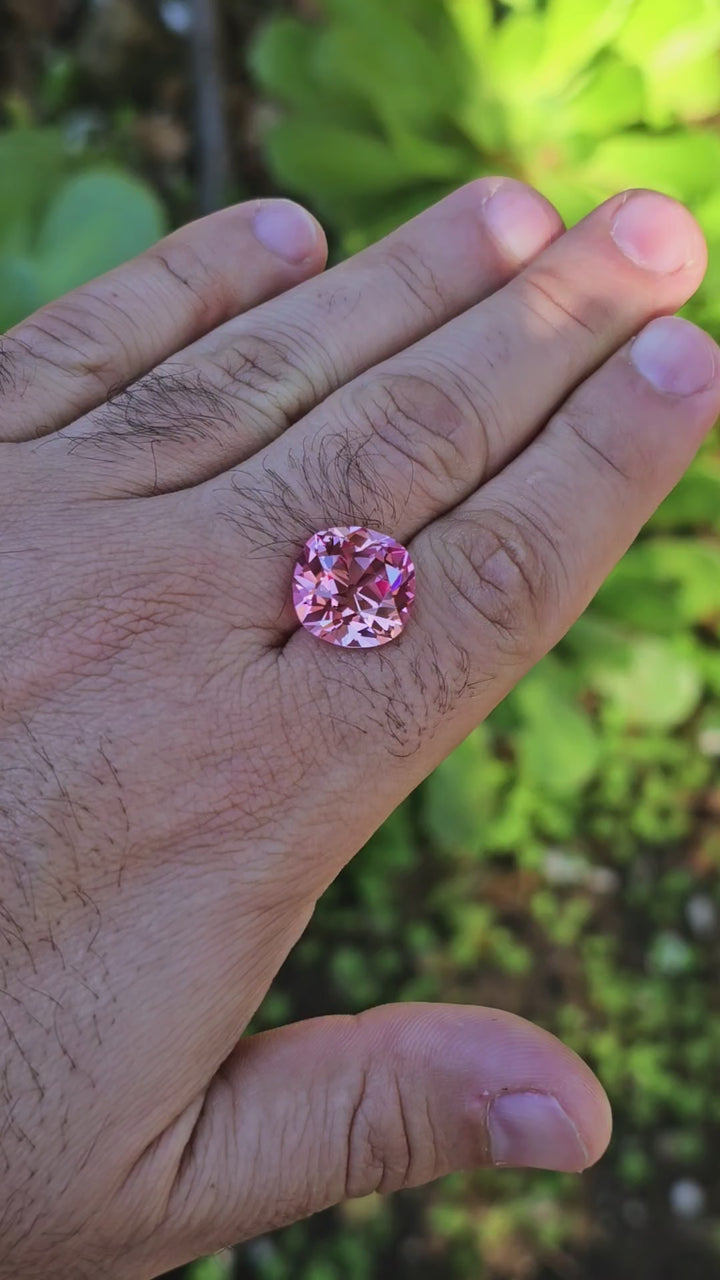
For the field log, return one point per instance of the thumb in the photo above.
(303, 1117)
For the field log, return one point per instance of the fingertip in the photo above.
(290, 232)
(520, 220)
(677, 358)
(531, 1101)
(658, 233)
(552, 1111)
(588, 1108)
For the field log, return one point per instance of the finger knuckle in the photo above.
(610, 452)
(255, 361)
(386, 1150)
(286, 362)
(182, 267)
(428, 425)
(548, 294)
(81, 334)
(498, 579)
(403, 265)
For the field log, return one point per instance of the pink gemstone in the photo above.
(353, 587)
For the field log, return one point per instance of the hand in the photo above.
(184, 770)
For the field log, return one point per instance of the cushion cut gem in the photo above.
(353, 587)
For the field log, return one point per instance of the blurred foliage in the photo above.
(565, 861)
(391, 106)
(59, 228)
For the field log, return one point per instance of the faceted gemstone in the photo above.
(353, 587)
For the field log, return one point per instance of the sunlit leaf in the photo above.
(346, 169)
(96, 221)
(459, 795)
(389, 63)
(665, 584)
(687, 90)
(668, 33)
(683, 164)
(610, 97)
(512, 61)
(473, 20)
(695, 502)
(658, 687)
(557, 744)
(573, 33)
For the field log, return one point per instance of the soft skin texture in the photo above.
(183, 770)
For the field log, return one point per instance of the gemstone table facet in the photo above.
(353, 587)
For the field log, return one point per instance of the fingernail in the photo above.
(532, 1131)
(519, 220)
(287, 230)
(655, 232)
(675, 356)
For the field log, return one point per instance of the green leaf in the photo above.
(695, 502)
(19, 290)
(57, 231)
(610, 97)
(215, 1268)
(512, 61)
(707, 212)
(458, 796)
(704, 307)
(574, 33)
(557, 745)
(633, 597)
(592, 640)
(657, 687)
(687, 91)
(387, 63)
(667, 33)
(286, 58)
(96, 221)
(683, 164)
(280, 59)
(346, 170)
(473, 21)
(32, 162)
(694, 566)
(670, 954)
(573, 200)
(665, 584)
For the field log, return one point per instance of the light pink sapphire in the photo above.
(353, 587)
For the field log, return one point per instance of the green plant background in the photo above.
(565, 861)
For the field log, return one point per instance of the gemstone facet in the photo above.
(353, 587)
